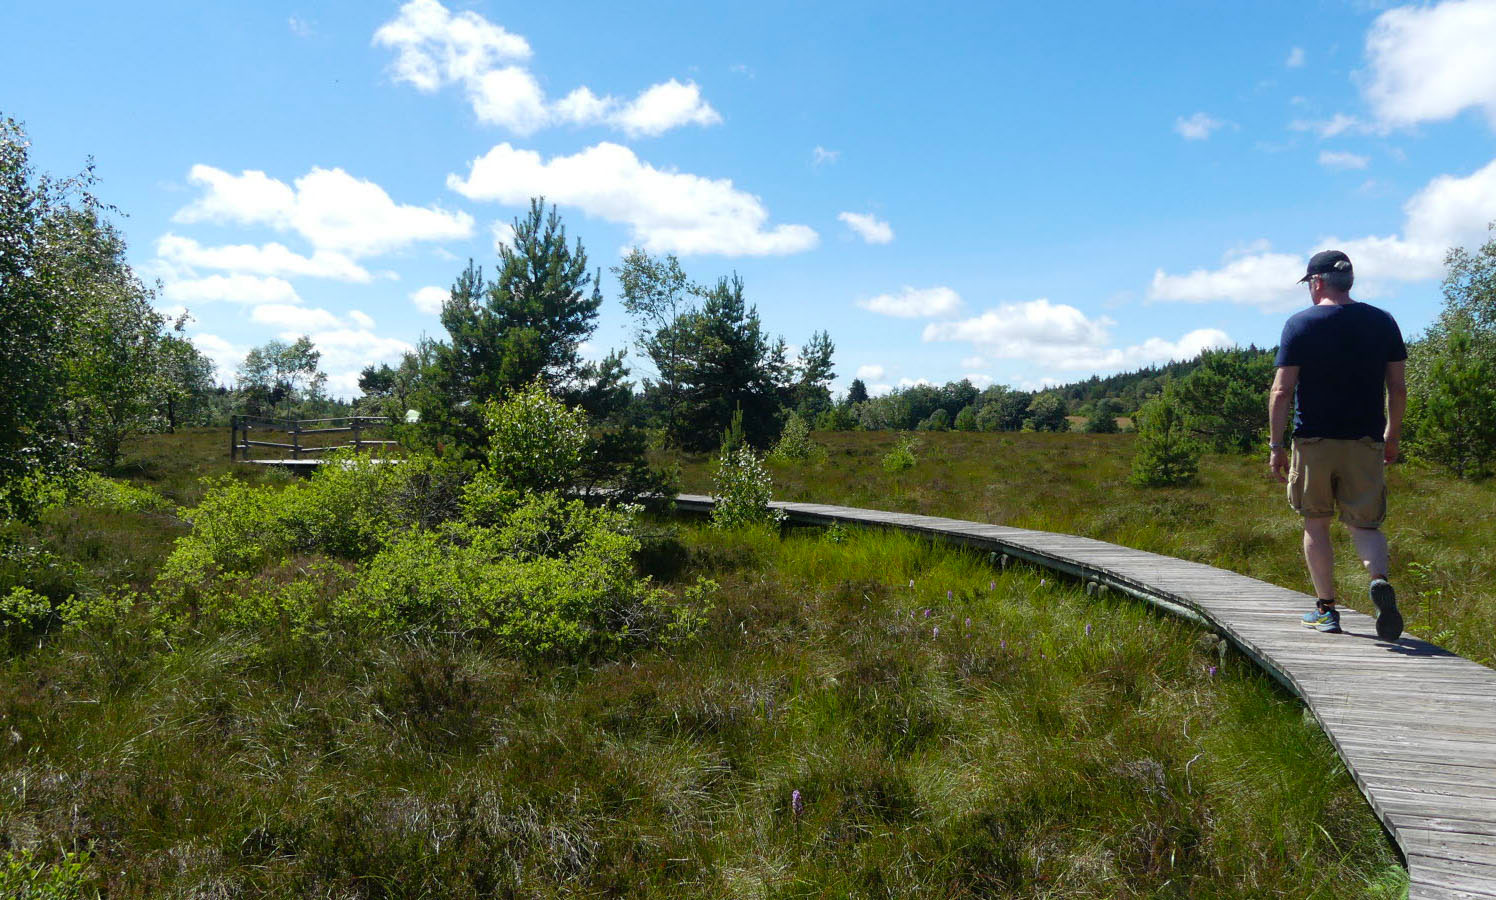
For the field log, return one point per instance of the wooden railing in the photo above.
(241, 444)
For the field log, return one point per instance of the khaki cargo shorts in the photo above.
(1330, 471)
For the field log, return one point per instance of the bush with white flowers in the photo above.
(743, 490)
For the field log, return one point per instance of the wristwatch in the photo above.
(1272, 446)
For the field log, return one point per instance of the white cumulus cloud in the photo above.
(1197, 127)
(1429, 63)
(869, 227)
(870, 372)
(660, 108)
(293, 319)
(266, 259)
(915, 303)
(1295, 58)
(225, 355)
(230, 289)
(1449, 211)
(430, 299)
(1060, 337)
(347, 342)
(435, 47)
(331, 209)
(1010, 330)
(666, 211)
(347, 350)
(503, 236)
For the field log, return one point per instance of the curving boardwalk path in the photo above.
(1415, 724)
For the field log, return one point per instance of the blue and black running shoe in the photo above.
(1389, 620)
(1325, 617)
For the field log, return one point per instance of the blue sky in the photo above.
(1020, 194)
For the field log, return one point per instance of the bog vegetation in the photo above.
(491, 670)
(320, 688)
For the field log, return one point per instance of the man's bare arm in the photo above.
(1277, 416)
(1397, 404)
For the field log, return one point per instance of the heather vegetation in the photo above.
(338, 705)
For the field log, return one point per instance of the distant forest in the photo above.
(1130, 389)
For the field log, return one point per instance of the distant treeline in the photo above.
(961, 406)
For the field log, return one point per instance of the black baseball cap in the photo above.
(1327, 261)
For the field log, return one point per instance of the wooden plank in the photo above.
(1422, 890)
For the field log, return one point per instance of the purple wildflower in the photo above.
(936, 632)
(968, 623)
(1088, 629)
(1212, 671)
(1002, 645)
(796, 803)
(947, 595)
(991, 585)
(927, 612)
(911, 584)
(1041, 582)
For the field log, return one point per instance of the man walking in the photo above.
(1335, 359)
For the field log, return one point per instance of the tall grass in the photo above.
(950, 731)
(1235, 516)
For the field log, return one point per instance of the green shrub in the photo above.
(939, 420)
(743, 490)
(966, 419)
(901, 458)
(350, 508)
(794, 442)
(837, 418)
(535, 442)
(236, 527)
(23, 876)
(22, 613)
(1166, 455)
(41, 491)
(1047, 412)
(1103, 419)
(96, 491)
(556, 580)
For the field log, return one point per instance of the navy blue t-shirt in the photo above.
(1342, 354)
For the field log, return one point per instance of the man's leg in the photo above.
(1371, 546)
(1320, 556)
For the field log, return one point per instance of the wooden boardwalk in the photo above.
(1414, 723)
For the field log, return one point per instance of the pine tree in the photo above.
(528, 323)
(1166, 455)
(1457, 420)
(857, 393)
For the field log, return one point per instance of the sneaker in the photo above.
(1325, 618)
(1389, 620)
